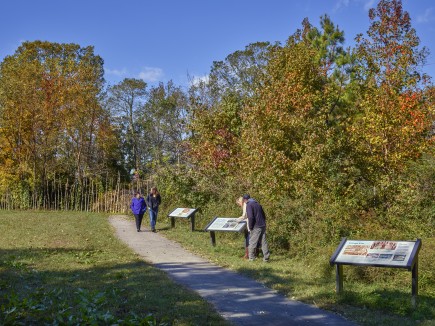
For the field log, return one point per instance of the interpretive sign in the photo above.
(377, 253)
(183, 213)
(397, 254)
(225, 224)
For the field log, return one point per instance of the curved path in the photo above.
(239, 299)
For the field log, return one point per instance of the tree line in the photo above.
(333, 141)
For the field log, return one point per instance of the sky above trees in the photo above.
(177, 40)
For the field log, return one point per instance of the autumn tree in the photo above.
(51, 119)
(393, 117)
(215, 108)
(289, 117)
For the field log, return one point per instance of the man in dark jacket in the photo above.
(257, 225)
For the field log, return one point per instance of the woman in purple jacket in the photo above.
(138, 208)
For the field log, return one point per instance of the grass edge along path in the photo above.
(239, 299)
(372, 296)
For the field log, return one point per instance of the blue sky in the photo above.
(164, 40)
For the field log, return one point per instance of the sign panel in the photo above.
(182, 212)
(376, 253)
(226, 224)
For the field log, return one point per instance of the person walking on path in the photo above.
(153, 202)
(257, 225)
(138, 208)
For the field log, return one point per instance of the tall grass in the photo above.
(98, 195)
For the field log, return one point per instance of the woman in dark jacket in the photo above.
(153, 202)
(138, 208)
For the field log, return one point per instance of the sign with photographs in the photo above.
(182, 212)
(226, 224)
(376, 253)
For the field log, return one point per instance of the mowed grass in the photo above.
(372, 296)
(69, 268)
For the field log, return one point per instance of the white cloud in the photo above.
(367, 4)
(196, 80)
(426, 17)
(341, 4)
(116, 72)
(151, 74)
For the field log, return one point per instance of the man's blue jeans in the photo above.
(153, 217)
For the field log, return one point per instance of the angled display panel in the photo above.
(229, 224)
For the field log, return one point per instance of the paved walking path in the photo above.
(239, 299)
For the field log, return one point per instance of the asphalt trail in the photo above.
(239, 299)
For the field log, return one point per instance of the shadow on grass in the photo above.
(390, 307)
(392, 300)
(383, 307)
(131, 287)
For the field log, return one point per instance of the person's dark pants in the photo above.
(138, 218)
(246, 239)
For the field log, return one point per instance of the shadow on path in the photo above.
(237, 298)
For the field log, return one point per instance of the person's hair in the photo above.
(239, 200)
(246, 196)
(154, 189)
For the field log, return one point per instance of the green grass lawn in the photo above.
(68, 268)
(372, 296)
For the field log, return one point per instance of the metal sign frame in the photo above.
(187, 213)
(377, 253)
(225, 224)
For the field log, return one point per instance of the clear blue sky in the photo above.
(164, 40)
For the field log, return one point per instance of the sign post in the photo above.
(183, 213)
(338, 278)
(213, 238)
(394, 254)
(224, 224)
(414, 284)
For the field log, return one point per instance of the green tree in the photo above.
(163, 123)
(243, 71)
(125, 102)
